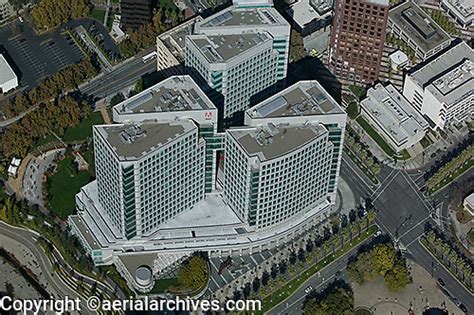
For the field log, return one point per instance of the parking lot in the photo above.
(33, 56)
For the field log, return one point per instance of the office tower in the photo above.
(306, 102)
(147, 173)
(357, 40)
(6, 10)
(275, 172)
(135, 13)
(239, 53)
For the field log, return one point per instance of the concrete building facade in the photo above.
(8, 78)
(443, 89)
(393, 117)
(6, 10)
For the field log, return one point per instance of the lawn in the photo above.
(161, 285)
(290, 287)
(84, 129)
(374, 135)
(404, 155)
(65, 184)
(425, 142)
(358, 91)
(98, 14)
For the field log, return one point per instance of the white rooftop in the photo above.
(303, 13)
(393, 112)
(450, 76)
(464, 9)
(6, 72)
(398, 57)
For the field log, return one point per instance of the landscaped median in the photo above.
(444, 251)
(291, 286)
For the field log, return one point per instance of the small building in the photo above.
(393, 117)
(398, 60)
(469, 204)
(461, 10)
(8, 78)
(117, 33)
(411, 24)
(310, 16)
(6, 10)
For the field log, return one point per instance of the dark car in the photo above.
(441, 282)
(463, 308)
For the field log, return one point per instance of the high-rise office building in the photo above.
(357, 40)
(135, 13)
(147, 173)
(6, 10)
(239, 53)
(275, 172)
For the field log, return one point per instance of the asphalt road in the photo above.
(120, 77)
(294, 304)
(29, 239)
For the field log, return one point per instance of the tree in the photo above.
(292, 258)
(383, 257)
(398, 277)
(256, 284)
(297, 51)
(274, 271)
(51, 13)
(337, 299)
(265, 278)
(301, 255)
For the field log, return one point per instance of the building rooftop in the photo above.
(393, 112)
(464, 9)
(222, 48)
(244, 17)
(417, 25)
(177, 93)
(302, 12)
(271, 141)
(301, 99)
(132, 141)
(450, 75)
(6, 72)
(175, 38)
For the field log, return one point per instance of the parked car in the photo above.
(308, 289)
(463, 308)
(441, 282)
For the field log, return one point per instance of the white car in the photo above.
(308, 289)
(378, 233)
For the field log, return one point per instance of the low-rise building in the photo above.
(8, 78)
(393, 117)
(170, 47)
(461, 10)
(310, 16)
(469, 204)
(411, 24)
(443, 89)
(6, 10)
(398, 60)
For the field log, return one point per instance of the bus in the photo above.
(149, 56)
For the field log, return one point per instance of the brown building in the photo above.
(357, 39)
(135, 13)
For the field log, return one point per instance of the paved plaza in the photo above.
(421, 294)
